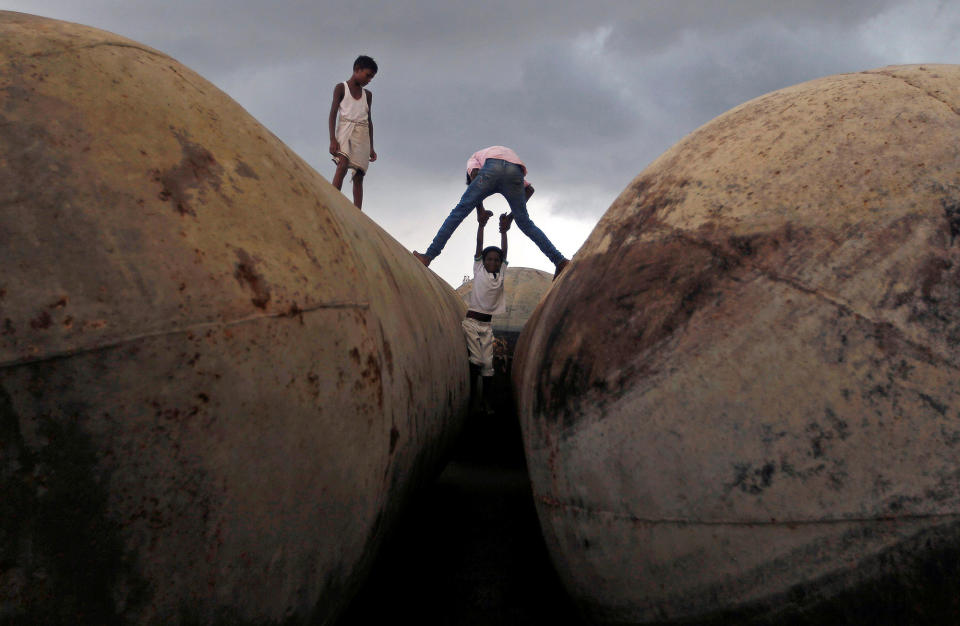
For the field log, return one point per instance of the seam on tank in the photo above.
(934, 357)
(926, 351)
(774, 522)
(98, 44)
(955, 110)
(62, 354)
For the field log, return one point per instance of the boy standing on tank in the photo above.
(486, 300)
(351, 143)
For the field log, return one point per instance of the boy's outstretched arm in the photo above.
(505, 221)
(337, 97)
(482, 218)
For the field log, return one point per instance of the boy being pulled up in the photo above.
(486, 300)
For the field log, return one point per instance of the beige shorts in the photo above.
(479, 344)
(354, 140)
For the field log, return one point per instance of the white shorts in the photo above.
(354, 140)
(479, 344)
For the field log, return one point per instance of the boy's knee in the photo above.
(522, 220)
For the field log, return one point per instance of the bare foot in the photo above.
(422, 258)
(560, 267)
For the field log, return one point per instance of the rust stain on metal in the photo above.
(242, 169)
(42, 321)
(372, 375)
(197, 169)
(294, 311)
(246, 274)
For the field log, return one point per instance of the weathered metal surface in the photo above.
(742, 401)
(217, 377)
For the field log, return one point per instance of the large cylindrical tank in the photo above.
(217, 377)
(741, 401)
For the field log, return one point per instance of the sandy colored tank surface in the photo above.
(742, 399)
(217, 378)
(522, 288)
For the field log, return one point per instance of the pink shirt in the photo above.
(478, 158)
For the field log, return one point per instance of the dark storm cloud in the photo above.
(587, 93)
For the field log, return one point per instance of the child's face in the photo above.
(492, 262)
(363, 76)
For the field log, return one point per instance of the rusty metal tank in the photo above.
(741, 401)
(218, 379)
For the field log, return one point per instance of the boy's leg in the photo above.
(488, 400)
(342, 166)
(481, 187)
(474, 374)
(512, 190)
(472, 333)
(358, 188)
(486, 370)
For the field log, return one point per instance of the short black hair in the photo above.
(483, 255)
(364, 62)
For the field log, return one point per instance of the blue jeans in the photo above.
(505, 178)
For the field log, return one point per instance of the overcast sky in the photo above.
(587, 93)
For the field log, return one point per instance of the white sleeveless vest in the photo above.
(354, 109)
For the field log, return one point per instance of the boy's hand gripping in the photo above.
(505, 220)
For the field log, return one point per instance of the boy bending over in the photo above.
(496, 169)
